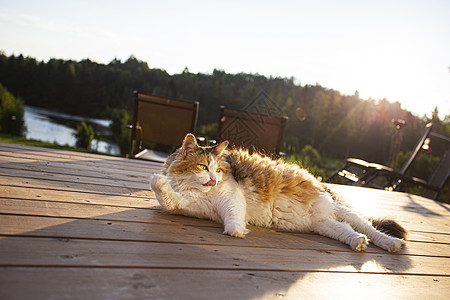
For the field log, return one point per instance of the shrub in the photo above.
(309, 158)
(121, 134)
(422, 166)
(84, 135)
(11, 113)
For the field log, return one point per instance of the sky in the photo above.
(393, 49)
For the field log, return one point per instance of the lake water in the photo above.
(49, 126)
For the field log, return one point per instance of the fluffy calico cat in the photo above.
(236, 188)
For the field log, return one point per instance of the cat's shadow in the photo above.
(161, 255)
(269, 263)
(309, 252)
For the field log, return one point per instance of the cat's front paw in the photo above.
(158, 182)
(236, 230)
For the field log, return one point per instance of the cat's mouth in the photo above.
(212, 182)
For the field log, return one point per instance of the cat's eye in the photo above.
(203, 167)
(218, 170)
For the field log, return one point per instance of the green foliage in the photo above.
(337, 125)
(13, 139)
(313, 156)
(84, 135)
(422, 166)
(309, 158)
(121, 134)
(318, 165)
(11, 113)
(208, 131)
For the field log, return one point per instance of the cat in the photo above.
(236, 188)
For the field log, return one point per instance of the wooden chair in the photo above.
(160, 120)
(361, 173)
(254, 131)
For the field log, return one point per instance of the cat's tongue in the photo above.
(212, 182)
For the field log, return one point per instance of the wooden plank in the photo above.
(408, 220)
(142, 178)
(367, 199)
(74, 197)
(86, 229)
(93, 170)
(149, 214)
(78, 179)
(75, 252)
(17, 148)
(178, 229)
(78, 205)
(432, 224)
(144, 200)
(64, 185)
(383, 194)
(51, 154)
(121, 164)
(110, 190)
(141, 283)
(381, 197)
(98, 204)
(418, 241)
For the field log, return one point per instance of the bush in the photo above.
(309, 158)
(11, 113)
(208, 131)
(84, 135)
(422, 166)
(121, 134)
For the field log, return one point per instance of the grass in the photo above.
(11, 139)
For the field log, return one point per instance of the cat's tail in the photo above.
(390, 227)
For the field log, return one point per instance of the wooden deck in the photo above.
(83, 226)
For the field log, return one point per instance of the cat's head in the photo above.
(202, 167)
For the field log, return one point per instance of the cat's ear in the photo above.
(189, 144)
(219, 148)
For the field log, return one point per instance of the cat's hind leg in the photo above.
(166, 196)
(382, 240)
(342, 232)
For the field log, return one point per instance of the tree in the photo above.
(337, 125)
(11, 113)
(84, 135)
(121, 134)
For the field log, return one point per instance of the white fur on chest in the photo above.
(209, 202)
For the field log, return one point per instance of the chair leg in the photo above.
(367, 178)
(333, 175)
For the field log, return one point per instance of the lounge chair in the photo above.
(431, 188)
(361, 173)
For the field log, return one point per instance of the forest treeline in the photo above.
(335, 124)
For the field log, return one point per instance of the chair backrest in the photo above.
(439, 176)
(161, 120)
(248, 129)
(416, 148)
